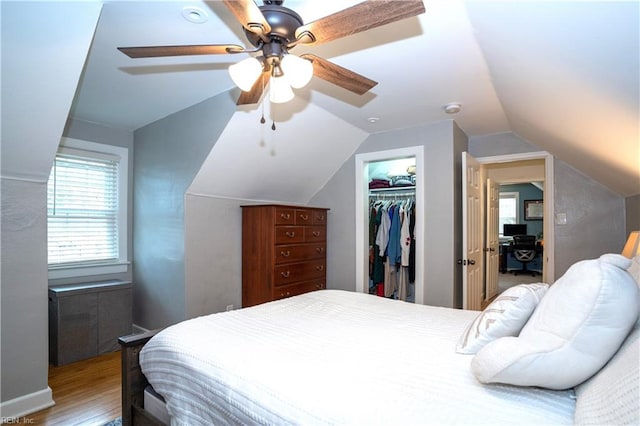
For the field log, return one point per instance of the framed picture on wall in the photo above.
(533, 210)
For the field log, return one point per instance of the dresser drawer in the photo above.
(315, 233)
(319, 217)
(302, 271)
(289, 234)
(299, 288)
(285, 216)
(304, 217)
(299, 252)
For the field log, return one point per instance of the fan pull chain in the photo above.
(262, 120)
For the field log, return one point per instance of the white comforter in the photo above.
(334, 357)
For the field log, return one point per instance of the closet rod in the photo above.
(392, 196)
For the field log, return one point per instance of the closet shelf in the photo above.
(393, 189)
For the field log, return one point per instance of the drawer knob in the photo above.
(316, 233)
(304, 216)
(290, 234)
(285, 216)
(320, 249)
(285, 253)
(285, 274)
(320, 268)
(319, 286)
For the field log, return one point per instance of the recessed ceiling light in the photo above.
(194, 14)
(373, 119)
(452, 108)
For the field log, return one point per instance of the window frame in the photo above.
(121, 264)
(516, 196)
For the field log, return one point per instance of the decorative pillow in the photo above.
(576, 328)
(505, 316)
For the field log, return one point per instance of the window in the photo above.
(86, 210)
(508, 209)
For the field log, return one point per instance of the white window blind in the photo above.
(508, 210)
(82, 208)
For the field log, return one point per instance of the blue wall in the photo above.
(527, 192)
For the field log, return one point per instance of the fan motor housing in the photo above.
(283, 22)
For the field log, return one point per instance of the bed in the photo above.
(332, 357)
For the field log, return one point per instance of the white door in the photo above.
(492, 254)
(472, 233)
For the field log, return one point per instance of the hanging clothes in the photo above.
(390, 241)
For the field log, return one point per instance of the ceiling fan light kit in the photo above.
(274, 29)
(245, 73)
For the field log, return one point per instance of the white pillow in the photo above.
(505, 316)
(634, 269)
(611, 396)
(576, 328)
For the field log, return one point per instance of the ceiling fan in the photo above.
(274, 29)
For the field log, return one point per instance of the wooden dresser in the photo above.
(283, 251)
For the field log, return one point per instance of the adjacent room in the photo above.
(235, 211)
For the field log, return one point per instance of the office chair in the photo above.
(524, 249)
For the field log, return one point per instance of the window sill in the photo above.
(87, 270)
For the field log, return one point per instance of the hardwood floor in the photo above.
(86, 393)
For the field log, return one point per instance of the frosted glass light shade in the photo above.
(280, 90)
(245, 73)
(298, 70)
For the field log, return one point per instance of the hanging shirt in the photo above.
(394, 250)
(382, 239)
(405, 236)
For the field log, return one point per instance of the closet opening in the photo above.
(389, 224)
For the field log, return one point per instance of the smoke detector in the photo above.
(452, 108)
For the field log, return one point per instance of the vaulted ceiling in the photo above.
(562, 75)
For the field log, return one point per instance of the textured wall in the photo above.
(632, 210)
(24, 288)
(595, 218)
(167, 156)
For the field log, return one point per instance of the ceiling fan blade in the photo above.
(203, 49)
(340, 76)
(361, 17)
(249, 15)
(253, 96)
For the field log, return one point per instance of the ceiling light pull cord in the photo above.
(262, 120)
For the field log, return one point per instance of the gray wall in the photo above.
(595, 218)
(213, 254)
(595, 215)
(442, 201)
(24, 292)
(167, 155)
(632, 210)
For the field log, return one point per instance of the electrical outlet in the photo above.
(229, 307)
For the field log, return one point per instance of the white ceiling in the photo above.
(563, 75)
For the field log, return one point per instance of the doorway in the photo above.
(520, 172)
(363, 177)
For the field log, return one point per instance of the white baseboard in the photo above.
(26, 404)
